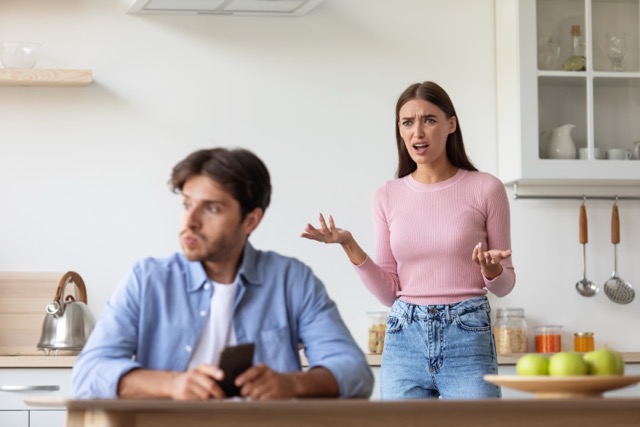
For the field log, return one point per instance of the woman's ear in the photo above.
(453, 124)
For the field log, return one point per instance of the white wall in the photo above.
(84, 170)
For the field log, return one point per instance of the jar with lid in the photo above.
(377, 329)
(548, 338)
(510, 331)
(583, 342)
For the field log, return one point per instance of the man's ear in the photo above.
(252, 220)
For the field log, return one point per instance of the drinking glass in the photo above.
(616, 48)
(548, 53)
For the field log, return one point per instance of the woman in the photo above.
(442, 232)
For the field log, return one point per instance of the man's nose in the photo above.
(192, 218)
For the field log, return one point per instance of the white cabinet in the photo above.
(534, 98)
(16, 381)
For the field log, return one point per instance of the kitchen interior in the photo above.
(89, 136)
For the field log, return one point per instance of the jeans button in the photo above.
(432, 310)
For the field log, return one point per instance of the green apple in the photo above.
(567, 363)
(604, 362)
(532, 364)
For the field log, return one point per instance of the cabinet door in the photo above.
(47, 418)
(537, 97)
(14, 418)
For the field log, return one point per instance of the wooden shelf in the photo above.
(45, 77)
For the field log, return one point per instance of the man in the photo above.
(161, 333)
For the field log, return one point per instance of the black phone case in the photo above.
(234, 361)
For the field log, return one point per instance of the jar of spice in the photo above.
(510, 331)
(548, 339)
(583, 342)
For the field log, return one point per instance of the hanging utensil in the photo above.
(615, 288)
(585, 287)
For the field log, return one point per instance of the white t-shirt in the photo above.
(218, 332)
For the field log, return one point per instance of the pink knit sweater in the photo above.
(425, 234)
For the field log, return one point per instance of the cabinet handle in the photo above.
(29, 387)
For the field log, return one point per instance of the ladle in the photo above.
(585, 287)
(615, 288)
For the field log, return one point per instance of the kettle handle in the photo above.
(71, 276)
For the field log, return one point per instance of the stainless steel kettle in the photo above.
(69, 322)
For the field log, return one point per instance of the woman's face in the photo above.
(424, 128)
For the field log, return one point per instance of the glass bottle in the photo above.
(577, 60)
(510, 331)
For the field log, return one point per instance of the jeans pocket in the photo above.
(475, 321)
(395, 323)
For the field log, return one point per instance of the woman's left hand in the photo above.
(489, 261)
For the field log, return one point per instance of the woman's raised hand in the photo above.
(489, 261)
(326, 233)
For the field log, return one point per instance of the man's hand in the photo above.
(261, 382)
(198, 384)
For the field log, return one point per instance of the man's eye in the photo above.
(213, 209)
(186, 206)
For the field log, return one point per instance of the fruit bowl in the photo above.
(19, 54)
(547, 387)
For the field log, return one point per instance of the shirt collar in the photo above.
(247, 272)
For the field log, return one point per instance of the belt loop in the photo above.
(447, 313)
(412, 308)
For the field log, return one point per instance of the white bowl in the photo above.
(19, 54)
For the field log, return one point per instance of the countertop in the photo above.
(373, 359)
(351, 412)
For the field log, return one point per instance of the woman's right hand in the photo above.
(326, 234)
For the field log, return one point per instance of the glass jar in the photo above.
(510, 331)
(583, 342)
(548, 339)
(377, 328)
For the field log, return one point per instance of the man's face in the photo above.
(211, 229)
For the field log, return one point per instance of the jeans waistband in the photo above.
(421, 312)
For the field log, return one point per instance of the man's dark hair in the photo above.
(238, 171)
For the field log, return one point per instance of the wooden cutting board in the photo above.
(23, 300)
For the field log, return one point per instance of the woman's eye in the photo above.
(428, 120)
(407, 123)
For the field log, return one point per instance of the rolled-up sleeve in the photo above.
(328, 342)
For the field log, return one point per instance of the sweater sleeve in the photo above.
(381, 278)
(499, 235)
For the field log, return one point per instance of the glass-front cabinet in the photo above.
(568, 82)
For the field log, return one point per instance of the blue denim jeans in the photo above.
(439, 351)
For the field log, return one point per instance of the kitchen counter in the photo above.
(373, 359)
(337, 412)
(37, 361)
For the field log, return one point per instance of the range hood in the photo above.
(224, 7)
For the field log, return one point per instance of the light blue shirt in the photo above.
(156, 315)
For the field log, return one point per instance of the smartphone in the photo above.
(234, 360)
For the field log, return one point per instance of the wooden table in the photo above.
(596, 412)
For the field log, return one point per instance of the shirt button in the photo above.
(187, 348)
(203, 313)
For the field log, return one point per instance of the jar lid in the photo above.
(510, 312)
(583, 334)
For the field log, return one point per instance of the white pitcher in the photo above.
(561, 145)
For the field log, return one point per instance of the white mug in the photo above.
(598, 153)
(619, 154)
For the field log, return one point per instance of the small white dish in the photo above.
(19, 54)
